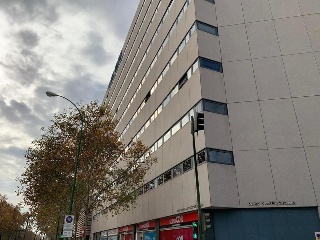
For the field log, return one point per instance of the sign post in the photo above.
(67, 226)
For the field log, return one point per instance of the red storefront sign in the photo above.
(177, 234)
(179, 219)
(126, 229)
(128, 237)
(147, 225)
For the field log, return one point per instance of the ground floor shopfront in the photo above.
(241, 224)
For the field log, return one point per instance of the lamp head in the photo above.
(51, 94)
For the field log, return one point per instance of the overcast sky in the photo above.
(67, 47)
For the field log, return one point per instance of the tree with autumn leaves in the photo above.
(11, 219)
(109, 172)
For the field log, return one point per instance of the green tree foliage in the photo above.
(108, 172)
(11, 219)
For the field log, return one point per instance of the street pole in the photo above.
(77, 161)
(200, 229)
(51, 94)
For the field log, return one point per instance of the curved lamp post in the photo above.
(51, 94)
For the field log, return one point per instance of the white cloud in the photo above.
(68, 47)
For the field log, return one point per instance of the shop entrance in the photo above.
(126, 233)
(178, 227)
(146, 231)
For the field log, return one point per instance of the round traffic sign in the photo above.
(69, 219)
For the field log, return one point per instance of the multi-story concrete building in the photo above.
(252, 67)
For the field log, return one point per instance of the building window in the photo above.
(198, 107)
(152, 118)
(147, 124)
(212, 1)
(207, 28)
(210, 64)
(151, 149)
(167, 136)
(174, 91)
(147, 97)
(180, 15)
(187, 165)
(175, 128)
(166, 101)
(174, 57)
(165, 41)
(167, 176)
(177, 170)
(155, 147)
(147, 187)
(185, 120)
(195, 66)
(215, 107)
(193, 29)
(159, 109)
(183, 43)
(201, 156)
(160, 180)
(160, 142)
(166, 69)
(220, 156)
(182, 81)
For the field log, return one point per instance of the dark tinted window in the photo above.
(167, 176)
(177, 170)
(215, 107)
(147, 96)
(183, 80)
(220, 156)
(187, 165)
(210, 64)
(148, 186)
(201, 157)
(207, 28)
(160, 180)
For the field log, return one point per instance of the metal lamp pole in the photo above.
(200, 225)
(51, 94)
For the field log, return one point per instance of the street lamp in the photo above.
(51, 94)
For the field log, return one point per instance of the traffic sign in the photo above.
(68, 219)
(67, 227)
(66, 234)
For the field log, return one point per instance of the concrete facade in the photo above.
(270, 84)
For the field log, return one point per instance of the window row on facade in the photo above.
(152, 40)
(203, 105)
(206, 155)
(123, 51)
(202, 62)
(140, 45)
(141, 42)
(200, 26)
(209, 155)
(157, 55)
(161, 76)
